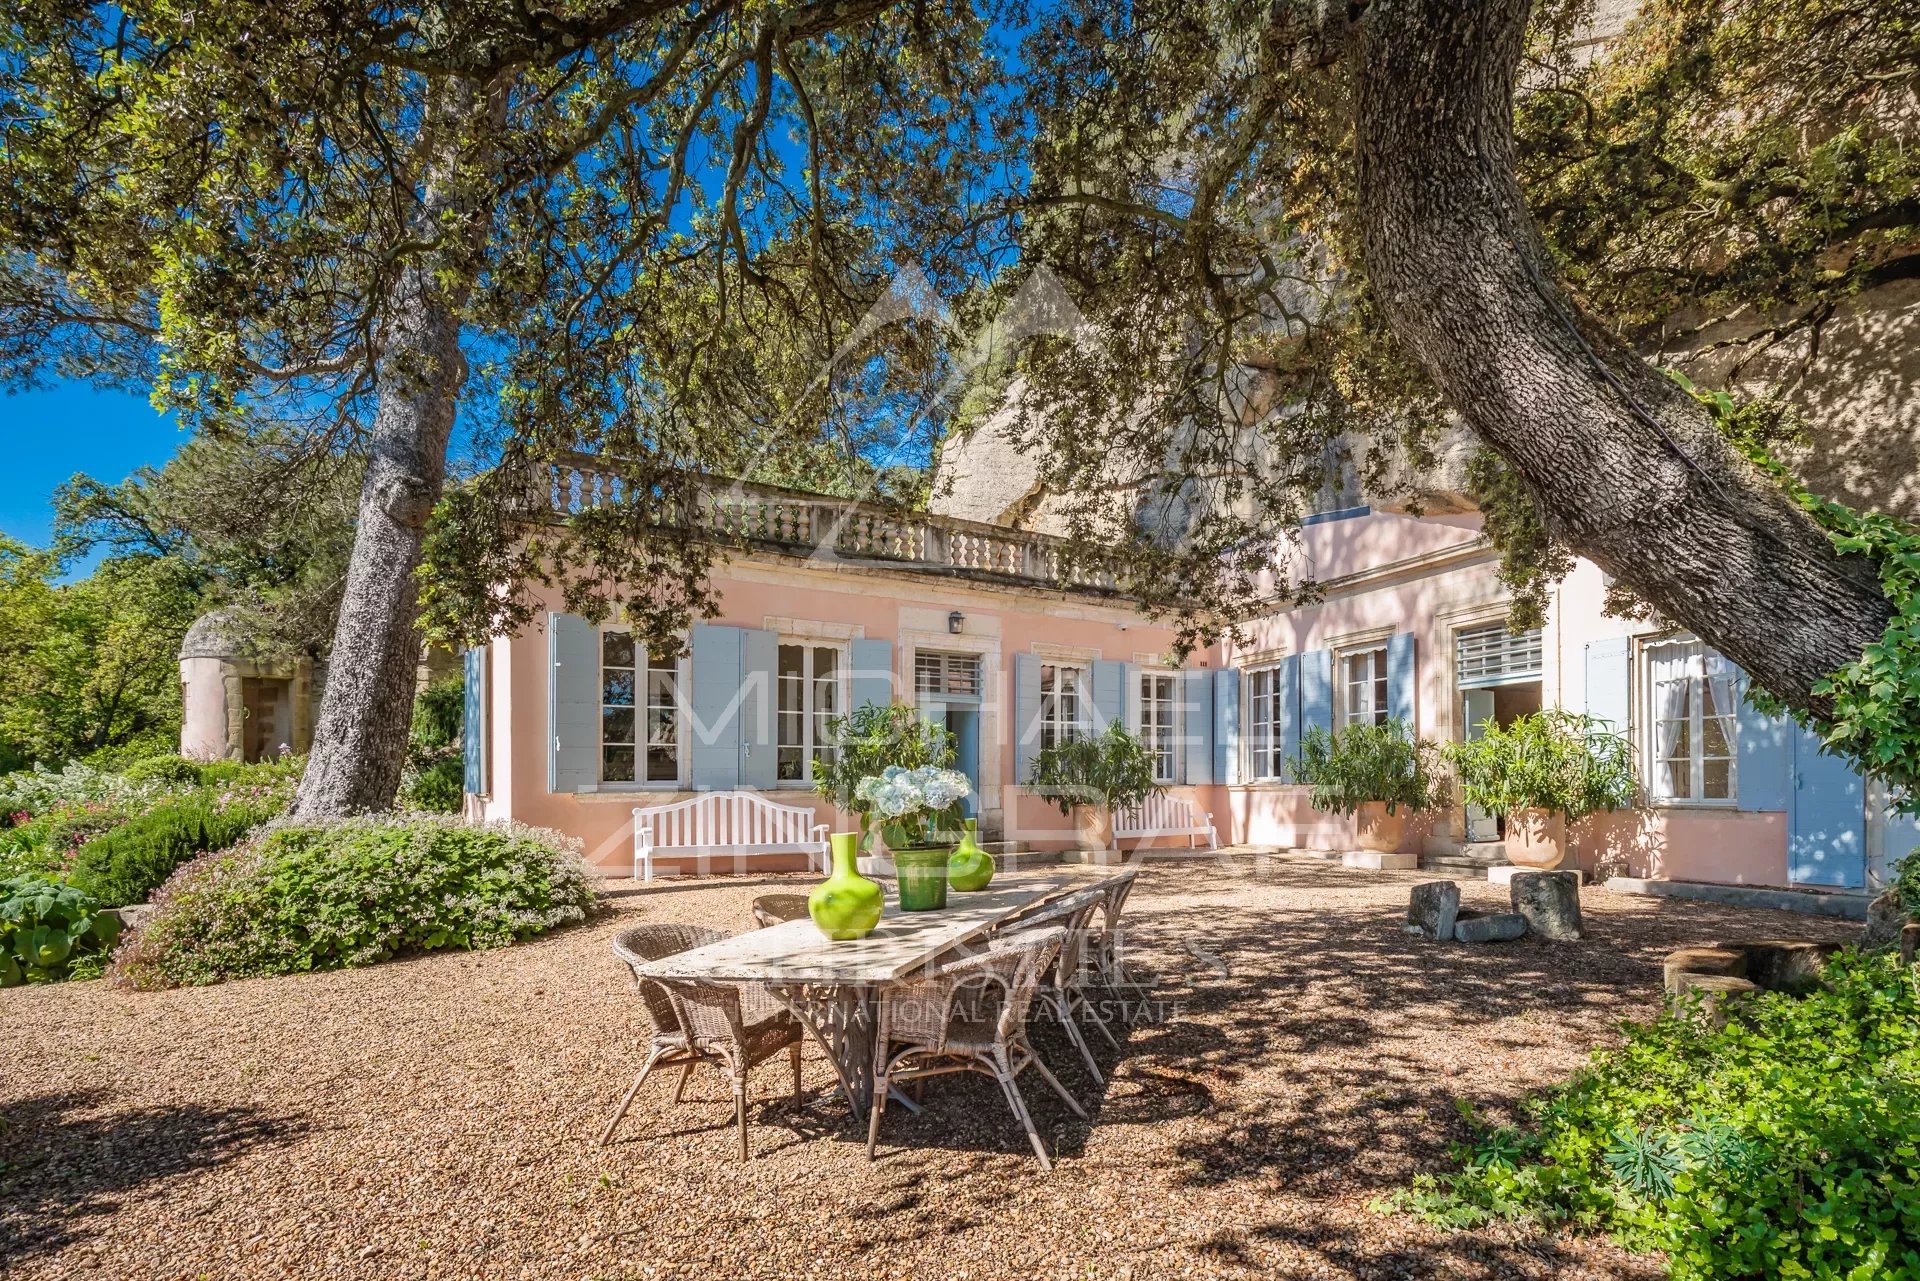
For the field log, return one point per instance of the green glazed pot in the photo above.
(922, 871)
(969, 867)
(846, 905)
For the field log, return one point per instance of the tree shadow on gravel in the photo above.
(63, 1166)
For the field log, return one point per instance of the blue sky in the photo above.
(70, 427)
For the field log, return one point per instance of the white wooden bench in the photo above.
(729, 824)
(1163, 815)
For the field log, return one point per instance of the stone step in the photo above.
(1454, 864)
(997, 848)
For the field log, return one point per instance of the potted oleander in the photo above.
(1089, 778)
(1377, 774)
(1544, 772)
(918, 813)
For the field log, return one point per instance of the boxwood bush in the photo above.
(1783, 1141)
(127, 863)
(302, 896)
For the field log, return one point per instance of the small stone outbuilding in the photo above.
(237, 703)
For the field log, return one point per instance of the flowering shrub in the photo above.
(913, 805)
(38, 790)
(119, 838)
(302, 897)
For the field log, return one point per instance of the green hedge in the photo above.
(325, 896)
(127, 863)
(1784, 1142)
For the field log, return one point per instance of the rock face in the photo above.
(1886, 917)
(1489, 927)
(1433, 908)
(1550, 902)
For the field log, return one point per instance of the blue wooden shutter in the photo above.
(1026, 715)
(872, 662)
(1226, 725)
(1109, 694)
(1826, 829)
(759, 655)
(1288, 693)
(1902, 837)
(1316, 692)
(573, 704)
(1130, 695)
(714, 706)
(1610, 682)
(1196, 718)
(473, 722)
(1763, 773)
(1400, 678)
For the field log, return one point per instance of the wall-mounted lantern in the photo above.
(956, 622)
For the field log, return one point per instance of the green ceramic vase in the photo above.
(846, 905)
(922, 873)
(969, 867)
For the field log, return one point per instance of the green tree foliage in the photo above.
(1551, 760)
(257, 518)
(88, 664)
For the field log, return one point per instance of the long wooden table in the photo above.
(832, 988)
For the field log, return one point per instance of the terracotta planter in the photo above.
(1378, 830)
(1093, 827)
(1536, 838)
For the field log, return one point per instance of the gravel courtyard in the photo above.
(436, 1118)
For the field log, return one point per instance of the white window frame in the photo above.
(642, 688)
(1264, 739)
(1160, 722)
(1369, 701)
(1056, 728)
(1700, 663)
(810, 717)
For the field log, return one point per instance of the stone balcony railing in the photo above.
(845, 531)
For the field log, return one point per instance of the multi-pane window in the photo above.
(809, 686)
(1265, 752)
(1157, 722)
(1062, 691)
(944, 674)
(1693, 706)
(1363, 686)
(639, 712)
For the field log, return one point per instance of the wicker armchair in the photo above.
(1105, 944)
(1063, 984)
(733, 1026)
(778, 909)
(969, 1015)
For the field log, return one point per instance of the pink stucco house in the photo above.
(833, 604)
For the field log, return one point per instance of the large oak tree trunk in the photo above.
(1627, 469)
(360, 740)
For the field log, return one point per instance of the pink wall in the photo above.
(906, 612)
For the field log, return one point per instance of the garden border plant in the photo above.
(318, 896)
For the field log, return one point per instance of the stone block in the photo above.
(1725, 962)
(1787, 965)
(1434, 906)
(1886, 918)
(1550, 902)
(1489, 927)
(1379, 861)
(1910, 943)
